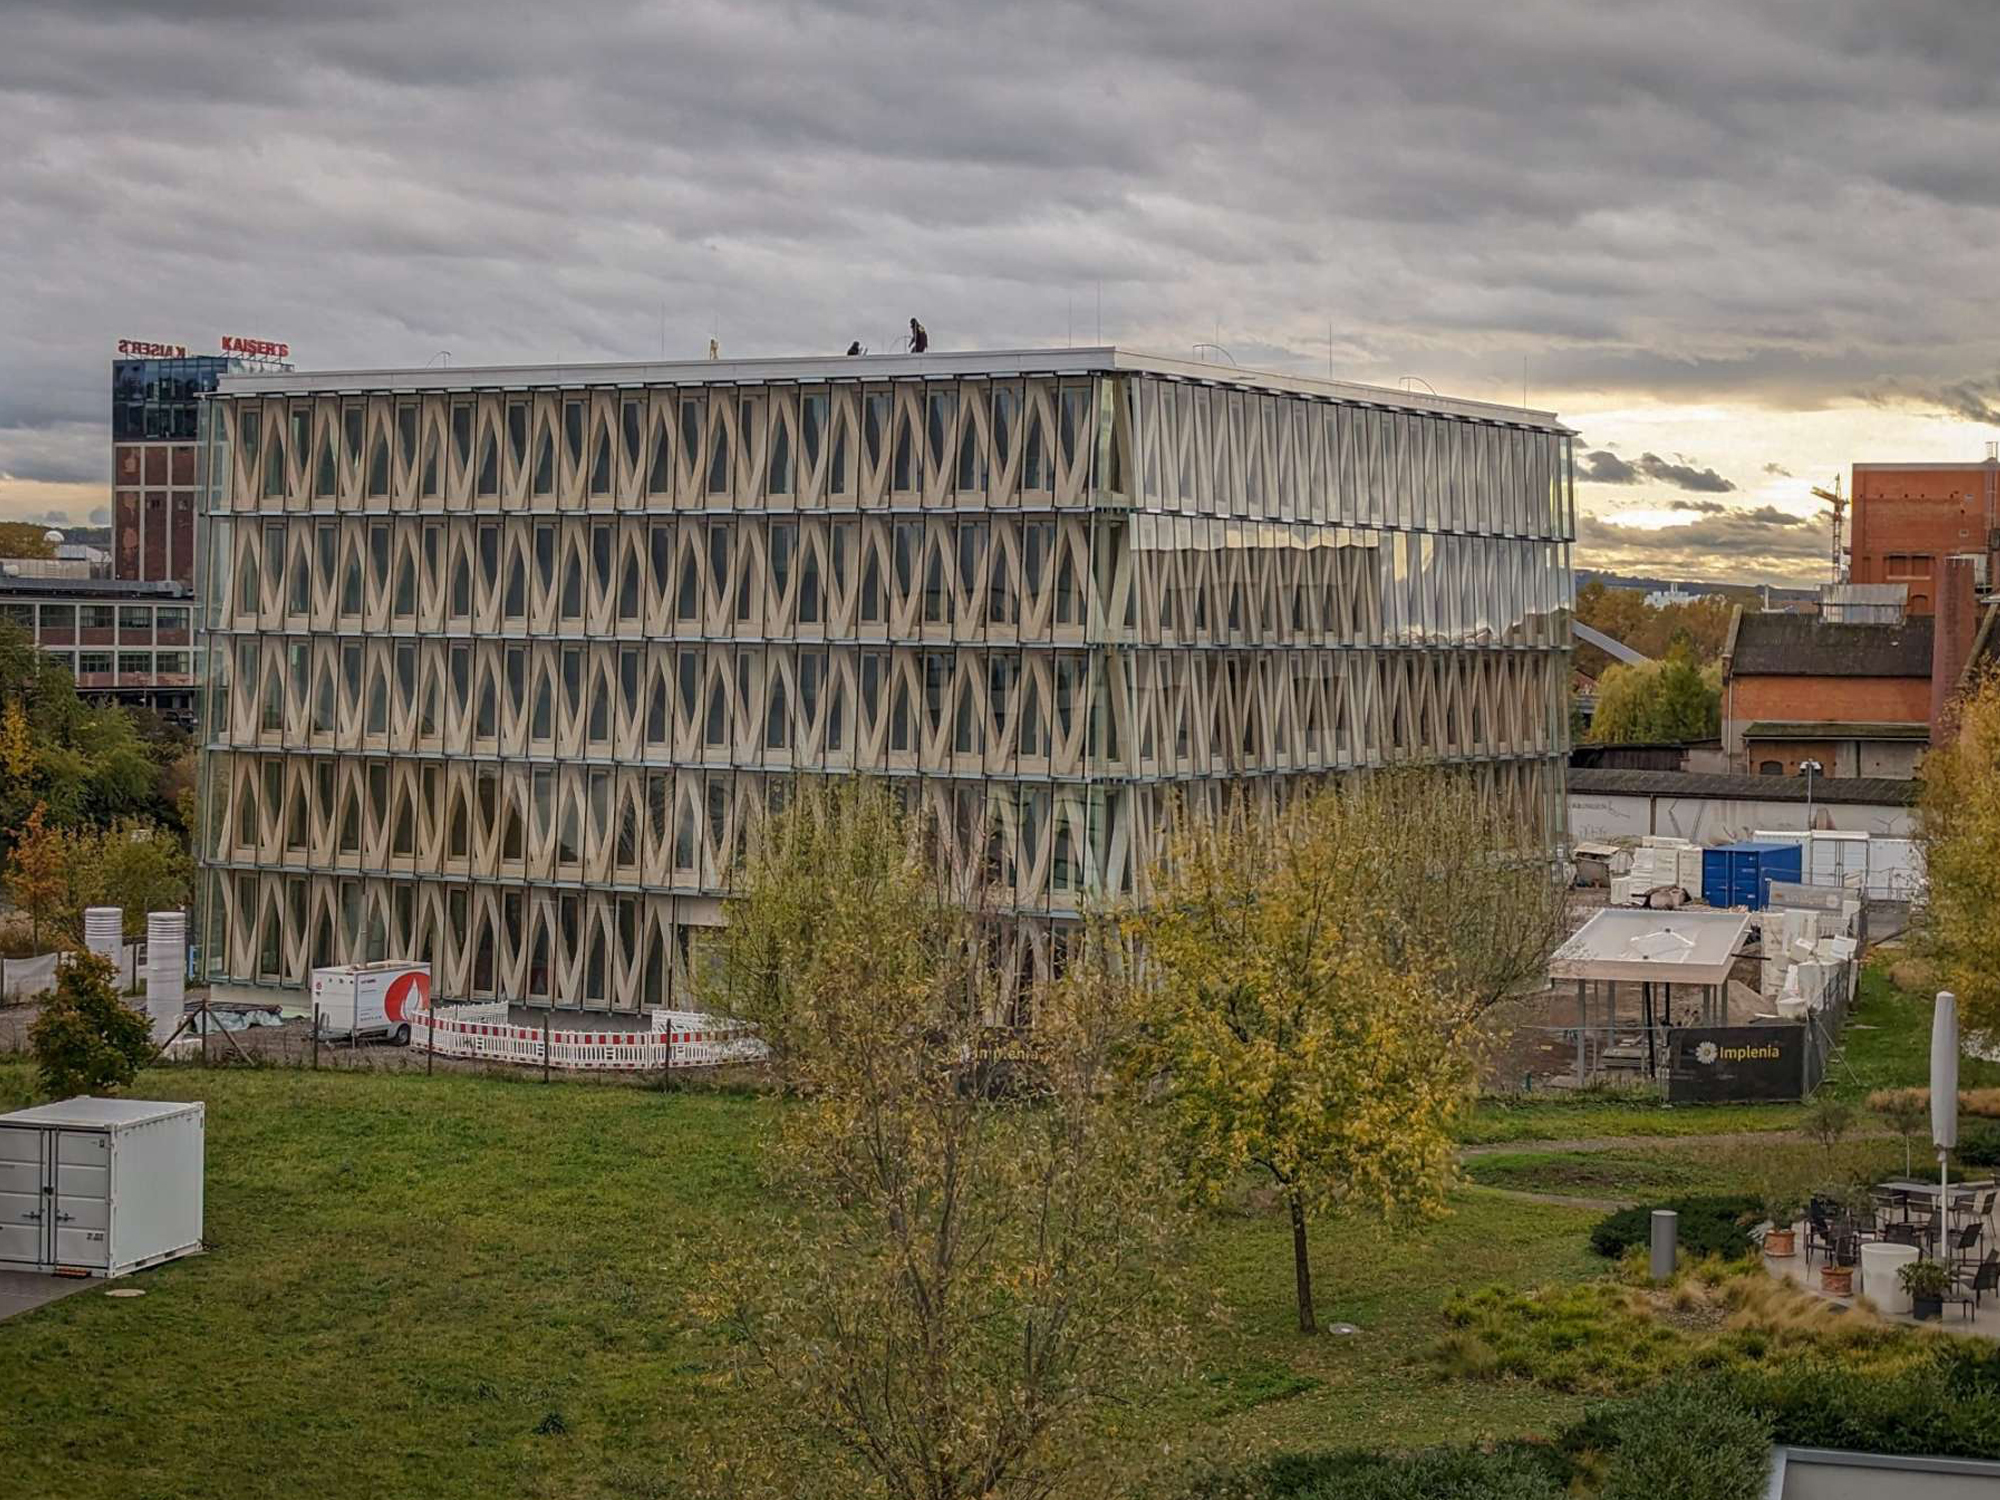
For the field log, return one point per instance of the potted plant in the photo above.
(1784, 1205)
(1926, 1281)
(1850, 1201)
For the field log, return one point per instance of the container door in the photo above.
(83, 1198)
(24, 1218)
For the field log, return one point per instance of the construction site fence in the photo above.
(672, 1039)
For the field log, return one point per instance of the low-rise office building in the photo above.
(503, 662)
(123, 639)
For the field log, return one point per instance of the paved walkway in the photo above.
(1651, 1142)
(22, 1291)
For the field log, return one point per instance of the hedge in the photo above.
(1715, 1225)
(1705, 1437)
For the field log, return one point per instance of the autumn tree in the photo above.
(86, 1040)
(39, 870)
(1315, 984)
(958, 1275)
(1672, 701)
(137, 866)
(1958, 829)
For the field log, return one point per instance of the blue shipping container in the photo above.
(1741, 874)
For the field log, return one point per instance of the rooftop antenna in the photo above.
(1329, 348)
(442, 354)
(1100, 314)
(1069, 327)
(1426, 384)
(1204, 344)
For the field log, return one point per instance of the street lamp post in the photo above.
(1811, 768)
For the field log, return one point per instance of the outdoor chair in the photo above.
(1892, 1203)
(1904, 1233)
(1819, 1230)
(1965, 1244)
(1969, 1289)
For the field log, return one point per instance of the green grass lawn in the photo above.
(478, 1286)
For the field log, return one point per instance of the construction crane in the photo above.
(1838, 504)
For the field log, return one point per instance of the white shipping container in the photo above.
(100, 1186)
(353, 1001)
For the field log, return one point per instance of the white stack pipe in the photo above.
(104, 931)
(166, 971)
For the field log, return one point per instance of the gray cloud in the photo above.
(1684, 475)
(1975, 400)
(790, 176)
(1778, 470)
(1605, 467)
(1700, 507)
(1763, 544)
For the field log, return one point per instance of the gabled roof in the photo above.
(1783, 645)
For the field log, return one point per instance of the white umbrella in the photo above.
(1944, 1097)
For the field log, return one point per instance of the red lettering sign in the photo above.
(255, 348)
(141, 349)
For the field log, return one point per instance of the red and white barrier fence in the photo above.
(672, 1039)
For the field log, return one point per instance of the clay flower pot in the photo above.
(1837, 1281)
(1781, 1242)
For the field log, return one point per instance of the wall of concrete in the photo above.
(1716, 820)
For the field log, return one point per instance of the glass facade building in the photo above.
(502, 664)
(155, 410)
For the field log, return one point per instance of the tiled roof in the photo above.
(1875, 791)
(1773, 645)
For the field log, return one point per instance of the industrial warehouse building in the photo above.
(503, 662)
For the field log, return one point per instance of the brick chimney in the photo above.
(1957, 626)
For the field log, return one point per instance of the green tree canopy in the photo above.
(1959, 832)
(1672, 701)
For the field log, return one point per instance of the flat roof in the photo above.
(86, 1111)
(1970, 463)
(1671, 947)
(1834, 729)
(1858, 791)
(793, 369)
(165, 590)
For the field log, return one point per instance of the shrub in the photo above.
(1948, 1405)
(1979, 1144)
(87, 1040)
(1711, 1225)
(1688, 1441)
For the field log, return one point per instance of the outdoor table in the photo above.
(1880, 1261)
(1929, 1189)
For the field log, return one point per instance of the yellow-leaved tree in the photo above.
(961, 1263)
(1958, 816)
(1315, 978)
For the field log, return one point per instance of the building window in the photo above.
(1771, 768)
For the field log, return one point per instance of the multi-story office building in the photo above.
(155, 402)
(503, 662)
(120, 639)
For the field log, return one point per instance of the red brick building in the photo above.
(1908, 518)
(1856, 698)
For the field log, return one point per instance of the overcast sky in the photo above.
(1737, 245)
